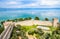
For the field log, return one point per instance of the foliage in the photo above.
(2, 22)
(31, 32)
(27, 28)
(24, 37)
(15, 20)
(14, 36)
(1, 28)
(37, 18)
(46, 19)
(20, 19)
(28, 18)
(46, 35)
(36, 31)
(40, 32)
(21, 33)
(18, 27)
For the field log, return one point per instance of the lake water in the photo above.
(42, 14)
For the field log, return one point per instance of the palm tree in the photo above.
(46, 19)
(37, 18)
(20, 19)
(28, 18)
(25, 18)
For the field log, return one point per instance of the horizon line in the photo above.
(5, 9)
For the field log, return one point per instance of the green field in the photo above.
(38, 33)
(27, 28)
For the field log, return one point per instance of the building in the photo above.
(55, 23)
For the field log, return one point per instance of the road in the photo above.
(7, 32)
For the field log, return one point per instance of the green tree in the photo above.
(37, 18)
(1, 28)
(29, 18)
(24, 37)
(2, 22)
(40, 32)
(31, 32)
(46, 35)
(13, 20)
(20, 19)
(46, 19)
(14, 36)
(18, 27)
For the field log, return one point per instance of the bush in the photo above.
(22, 33)
(24, 37)
(2, 22)
(28, 18)
(18, 27)
(46, 35)
(20, 19)
(37, 18)
(14, 36)
(40, 32)
(46, 19)
(56, 31)
(1, 28)
(35, 31)
(31, 32)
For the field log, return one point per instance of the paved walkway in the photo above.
(6, 33)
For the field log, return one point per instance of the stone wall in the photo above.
(34, 22)
(54, 23)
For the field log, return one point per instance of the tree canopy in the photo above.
(37, 18)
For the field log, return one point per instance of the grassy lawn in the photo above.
(27, 28)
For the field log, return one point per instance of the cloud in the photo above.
(12, 2)
(49, 2)
(30, 4)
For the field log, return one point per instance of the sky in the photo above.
(29, 3)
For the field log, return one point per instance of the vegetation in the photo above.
(32, 30)
(46, 19)
(36, 31)
(53, 35)
(21, 31)
(19, 19)
(1, 27)
(37, 18)
(2, 22)
(27, 28)
(28, 18)
(15, 20)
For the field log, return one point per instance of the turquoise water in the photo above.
(42, 14)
